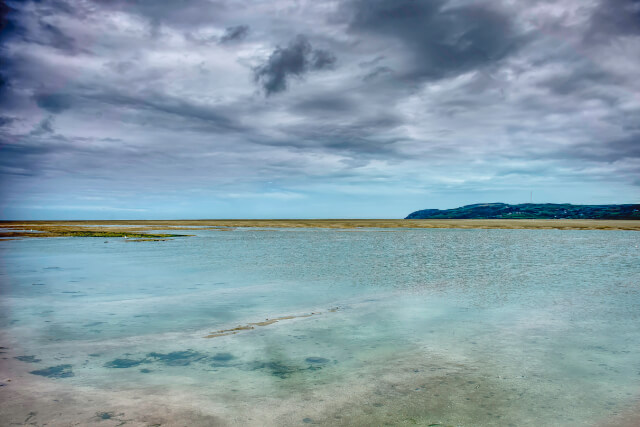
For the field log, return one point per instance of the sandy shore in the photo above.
(116, 228)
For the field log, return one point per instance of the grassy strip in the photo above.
(90, 233)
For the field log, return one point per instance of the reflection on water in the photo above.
(416, 327)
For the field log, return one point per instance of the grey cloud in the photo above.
(175, 13)
(4, 11)
(322, 59)
(217, 118)
(582, 77)
(325, 103)
(19, 159)
(442, 39)
(359, 136)
(611, 151)
(614, 17)
(3, 82)
(4, 121)
(53, 7)
(53, 36)
(44, 127)
(297, 59)
(236, 33)
(53, 102)
(377, 72)
(371, 63)
(40, 31)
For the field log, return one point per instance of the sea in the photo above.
(297, 327)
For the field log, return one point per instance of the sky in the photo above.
(145, 109)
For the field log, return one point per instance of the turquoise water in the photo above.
(409, 327)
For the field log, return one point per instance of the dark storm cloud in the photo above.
(42, 32)
(442, 39)
(236, 33)
(4, 120)
(53, 102)
(297, 59)
(4, 11)
(54, 37)
(614, 17)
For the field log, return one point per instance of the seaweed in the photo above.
(177, 358)
(222, 357)
(104, 415)
(124, 363)
(27, 359)
(59, 371)
(278, 369)
(89, 325)
(316, 360)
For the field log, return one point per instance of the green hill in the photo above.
(531, 211)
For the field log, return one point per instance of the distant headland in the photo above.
(531, 211)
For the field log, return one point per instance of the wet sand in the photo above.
(14, 229)
(405, 391)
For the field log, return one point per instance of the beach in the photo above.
(66, 228)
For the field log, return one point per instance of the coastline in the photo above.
(142, 228)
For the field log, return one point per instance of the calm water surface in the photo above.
(409, 327)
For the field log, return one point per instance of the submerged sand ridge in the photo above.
(143, 229)
(266, 322)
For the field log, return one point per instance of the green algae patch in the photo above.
(178, 358)
(278, 369)
(59, 371)
(222, 357)
(124, 363)
(316, 360)
(28, 359)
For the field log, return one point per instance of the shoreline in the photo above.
(142, 228)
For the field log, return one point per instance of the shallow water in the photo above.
(408, 327)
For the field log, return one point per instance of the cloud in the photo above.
(614, 18)
(236, 33)
(441, 39)
(448, 98)
(5, 120)
(44, 127)
(297, 59)
(53, 102)
(4, 11)
(51, 35)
